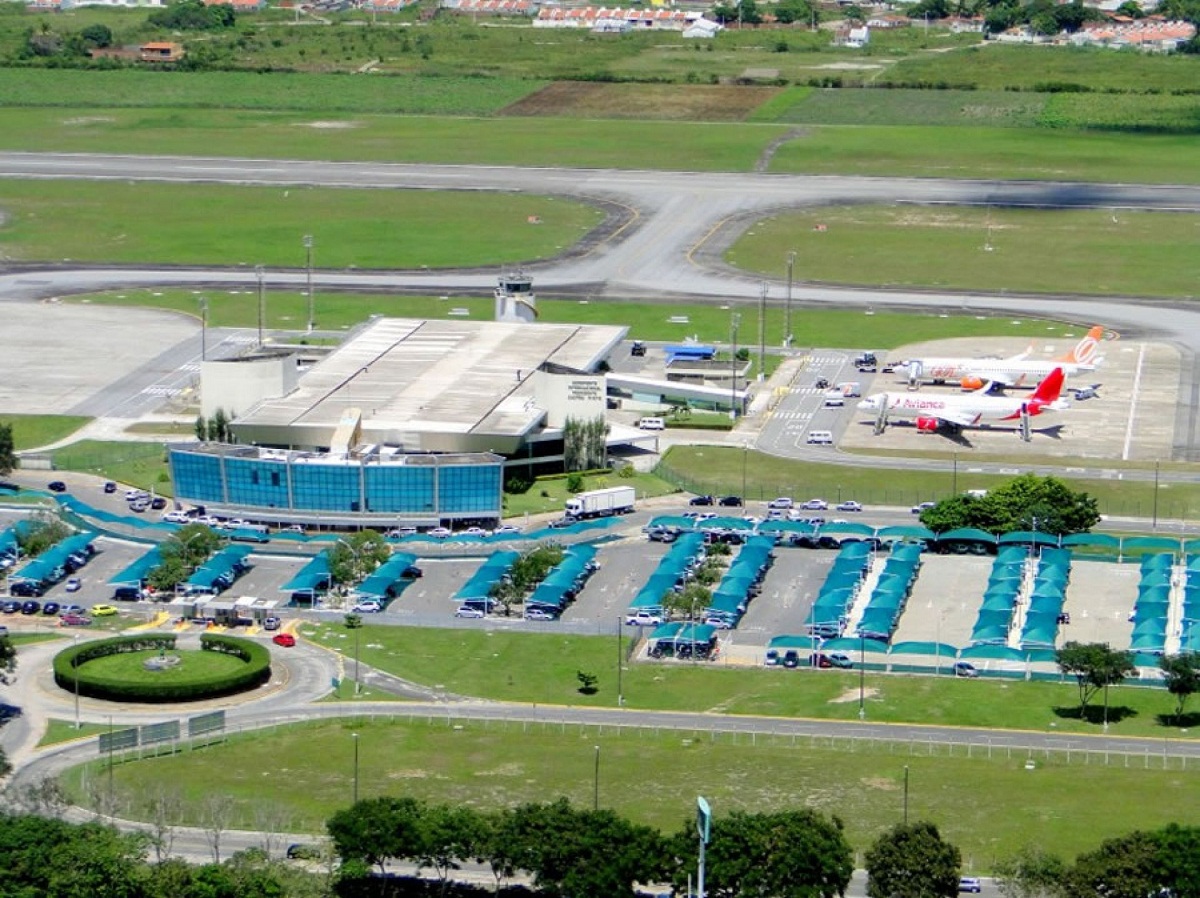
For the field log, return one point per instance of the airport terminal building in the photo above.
(408, 422)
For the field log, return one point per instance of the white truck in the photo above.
(601, 503)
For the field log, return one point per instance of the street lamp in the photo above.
(308, 250)
(75, 671)
(906, 795)
(862, 674)
(354, 736)
(734, 320)
(596, 782)
(762, 332)
(1154, 522)
(745, 452)
(620, 660)
(203, 300)
(258, 272)
(787, 308)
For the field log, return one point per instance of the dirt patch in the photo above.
(650, 102)
(503, 770)
(875, 782)
(851, 695)
(408, 774)
(89, 120)
(849, 66)
(331, 126)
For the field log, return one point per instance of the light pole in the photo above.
(308, 248)
(862, 675)
(258, 271)
(734, 320)
(954, 481)
(906, 795)
(596, 782)
(203, 327)
(762, 331)
(1154, 522)
(787, 308)
(75, 671)
(620, 660)
(354, 736)
(745, 452)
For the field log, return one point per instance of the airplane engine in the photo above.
(929, 425)
(972, 383)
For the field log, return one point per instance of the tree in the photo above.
(1179, 858)
(1095, 666)
(8, 661)
(788, 12)
(1182, 673)
(200, 426)
(912, 861)
(451, 834)
(789, 854)
(855, 13)
(182, 552)
(97, 35)
(1030, 873)
(691, 602)
(8, 453)
(44, 530)
(1028, 502)
(376, 829)
(1126, 867)
(193, 15)
(354, 557)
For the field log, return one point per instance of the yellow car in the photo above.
(103, 610)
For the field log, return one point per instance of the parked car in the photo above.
(75, 620)
(271, 623)
(401, 532)
(103, 610)
(109, 486)
(51, 608)
(71, 609)
(367, 607)
(139, 505)
(10, 607)
(730, 501)
(970, 884)
(849, 505)
(440, 533)
(468, 611)
(783, 502)
(791, 658)
(26, 589)
(477, 531)
(965, 669)
(287, 640)
(700, 500)
(506, 530)
(74, 584)
(643, 619)
(559, 523)
(815, 505)
(31, 607)
(827, 660)
(57, 486)
(539, 614)
(135, 495)
(924, 506)
(158, 503)
(176, 517)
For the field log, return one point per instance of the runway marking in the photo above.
(1137, 380)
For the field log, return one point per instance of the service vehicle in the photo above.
(601, 503)
(643, 619)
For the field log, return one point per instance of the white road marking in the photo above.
(1137, 380)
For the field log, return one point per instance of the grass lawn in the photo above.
(31, 431)
(195, 666)
(1096, 251)
(165, 428)
(646, 321)
(981, 152)
(718, 469)
(578, 143)
(549, 494)
(215, 224)
(64, 731)
(138, 464)
(988, 807)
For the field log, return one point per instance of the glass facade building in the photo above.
(373, 489)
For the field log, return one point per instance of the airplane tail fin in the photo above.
(1050, 388)
(1084, 352)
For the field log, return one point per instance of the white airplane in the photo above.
(951, 412)
(1010, 372)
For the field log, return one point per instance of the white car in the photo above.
(815, 505)
(467, 611)
(401, 532)
(74, 584)
(440, 533)
(849, 505)
(539, 614)
(506, 530)
(477, 531)
(924, 506)
(176, 517)
(367, 608)
(643, 619)
(136, 495)
(783, 502)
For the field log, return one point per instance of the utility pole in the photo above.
(203, 328)
(762, 331)
(308, 250)
(787, 308)
(262, 301)
(734, 320)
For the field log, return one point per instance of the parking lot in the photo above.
(943, 606)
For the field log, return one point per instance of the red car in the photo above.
(287, 640)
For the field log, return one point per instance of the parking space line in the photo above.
(1133, 398)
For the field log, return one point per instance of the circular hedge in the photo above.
(71, 673)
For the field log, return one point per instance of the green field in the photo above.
(31, 431)
(211, 224)
(988, 807)
(718, 469)
(1097, 252)
(549, 494)
(138, 464)
(646, 321)
(195, 666)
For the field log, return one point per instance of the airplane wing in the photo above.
(992, 382)
(1020, 356)
(960, 417)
